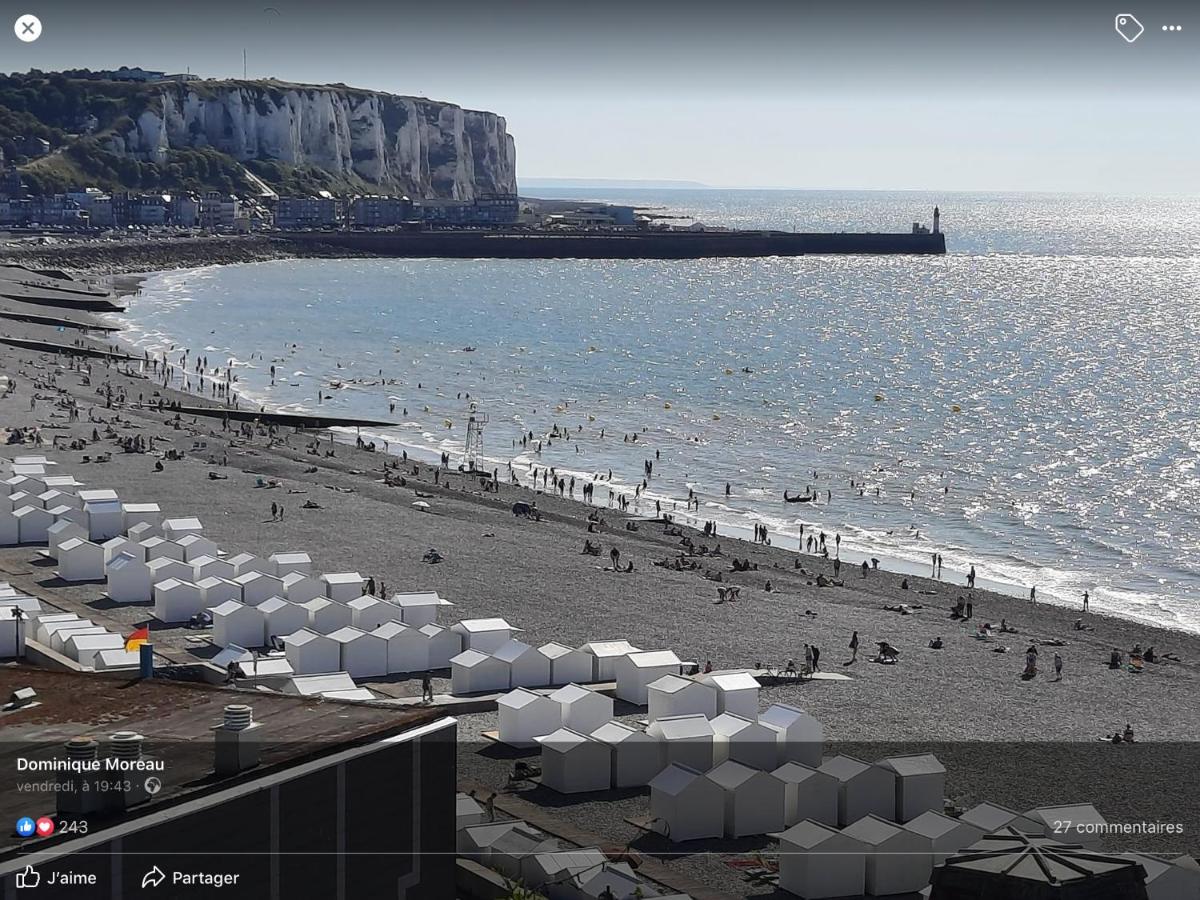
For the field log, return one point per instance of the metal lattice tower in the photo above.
(474, 449)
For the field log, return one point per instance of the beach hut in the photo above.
(674, 695)
(113, 547)
(160, 548)
(290, 562)
(685, 805)
(211, 567)
(636, 757)
(51, 499)
(142, 532)
(63, 632)
(467, 811)
(280, 617)
(95, 495)
(525, 715)
(248, 562)
(61, 531)
(196, 546)
(567, 666)
(687, 740)
(612, 879)
(301, 588)
(215, 591)
(801, 737)
(46, 623)
(68, 514)
(343, 586)
(141, 514)
(819, 862)
(368, 613)
(946, 836)
(920, 784)
(1076, 823)
(33, 524)
(513, 852)
(557, 867)
(319, 684)
(635, 671)
(573, 763)
(16, 499)
(419, 608)
(604, 656)
(104, 519)
(363, 655)
(258, 586)
(753, 799)
(808, 794)
(991, 817)
(1169, 879)
(737, 693)
(174, 529)
(128, 580)
(475, 841)
(162, 569)
(236, 623)
(10, 534)
(393, 635)
(898, 861)
(441, 646)
(582, 710)
(526, 667)
(473, 672)
(744, 741)
(484, 635)
(863, 789)
(113, 660)
(13, 632)
(176, 600)
(80, 560)
(83, 647)
(310, 653)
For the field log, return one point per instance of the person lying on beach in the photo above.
(936, 644)
(590, 549)
(903, 608)
(311, 504)
(822, 581)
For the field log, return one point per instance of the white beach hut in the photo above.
(818, 862)
(160, 548)
(280, 618)
(128, 580)
(162, 569)
(674, 695)
(45, 625)
(947, 836)
(467, 811)
(635, 671)
(10, 534)
(1169, 879)
(174, 529)
(33, 524)
(898, 861)
(473, 672)
(567, 666)
(992, 817)
(556, 868)
(808, 794)
(526, 667)
(737, 693)
(211, 567)
(63, 530)
(368, 613)
(236, 623)
(258, 586)
(142, 532)
(83, 647)
(863, 789)
(484, 635)
(113, 660)
(525, 715)
(60, 634)
(104, 518)
(310, 653)
(176, 600)
(685, 805)
(141, 514)
(573, 763)
(64, 513)
(801, 737)
(248, 562)
(636, 757)
(419, 608)
(120, 544)
(51, 499)
(80, 560)
(513, 852)
(363, 655)
(582, 710)
(343, 586)
(687, 740)
(394, 636)
(612, 879)
(301, 588)
(920, 784)
(319, 684)
(494, 843)
(604, 656)
(291, 562)
(1086, 825)
(745, 741)
(753, 799)
(216, 591)
(16, 499)
(325, 615)
(441, 646)
(196, 546)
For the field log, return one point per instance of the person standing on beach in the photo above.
(274, 513)
(426, 688)
(1085, 601)
(854, 647)
(1033, 594)
(808, 659)
(1057, 667)
(816, 658)
(971, 578)
(615, 555)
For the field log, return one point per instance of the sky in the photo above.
(840, 95)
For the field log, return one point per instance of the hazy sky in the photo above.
(886, 95)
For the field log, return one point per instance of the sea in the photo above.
(1026, 404)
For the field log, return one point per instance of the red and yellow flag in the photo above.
(140, 636)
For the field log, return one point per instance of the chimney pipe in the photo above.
(237, 740)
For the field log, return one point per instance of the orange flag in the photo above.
(140, 636)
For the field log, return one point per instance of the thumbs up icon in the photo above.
(30, 878)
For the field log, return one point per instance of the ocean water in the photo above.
(1026, 404)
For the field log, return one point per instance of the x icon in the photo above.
(28, 28)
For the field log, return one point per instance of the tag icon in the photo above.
(1129, 27)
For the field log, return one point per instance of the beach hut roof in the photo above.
(609, 648)
(71, 543)
(317, 603)
(170, 583)
(680, 728)
(304, 636)
(781, 715)
(933, 824)
(487, 834)
(990, 816)
(366, 601)
(510, 651)
(563, 739)
(323, 683)
(121, 560)
(192, 538)
(647, 659)
(615, 732)
(183, 523)
(419, 598)
(796, 773)
(240, 558)
(247, 577)
(32, 460)
(432, 629)
(732, 774)
(674, 779)
(97, 495)
(808, 834)
(477, 625)
(729, 724)
(343, 578)
(204, 560)
(1075, 813)
(140, 508)
(346, 634)
(554, 650)
(916, 764)
(843, 768)
(671, 684)
(271, 604)
(291, 558)
(228, 608)
(872, 830)
(231, 653)
(569, 693)
(468, 658)
(733, 681)
(389, 629)
(518, 698)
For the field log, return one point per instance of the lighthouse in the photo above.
(937, 221)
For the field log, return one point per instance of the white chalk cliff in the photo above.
(411, 145)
